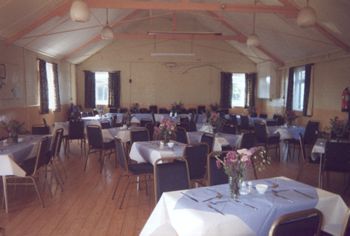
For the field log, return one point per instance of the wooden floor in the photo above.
(85, 207)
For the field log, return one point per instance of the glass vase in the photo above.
(234, 183)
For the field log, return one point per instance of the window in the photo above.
(298, 88)
(101, 88)
(49, 88)
(238, 90)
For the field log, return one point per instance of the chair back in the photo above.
(113, 110)
(170, 174)
(76, 129)
(244, 122)
(43, 155)
(56, 142)
(229, 129)
(139, 136)
(94, 135)
(209, 140)
(153, 109)
(192, 126)
(260, 132)
(248, 140)
(181, 135)
(271, 122)
(263, 115)
(233, 118)
(196, 156)
(150, 127)
(337, 156)
(185, 120)
(40, 129)
(143, 122)
(144, 110)
(123, 110)
(163, 111)
(311, 132)
(105, 125)
(201, 109)
(306, 222)
(216, 175)
(121, 154)
(253, 114)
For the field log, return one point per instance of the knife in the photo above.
(275, 193)
(190, 197)
(245, 204)
(304, 194)
(218, 211)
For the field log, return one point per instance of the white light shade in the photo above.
(79, 11)
(253, 41)
(306, 17)
(107, 33)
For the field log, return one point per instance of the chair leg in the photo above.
(116, 186)
(102, 160)
(146, 185)
(37, 191)
(86, 160)
(56, 175)
(124, 194)
(4, 185)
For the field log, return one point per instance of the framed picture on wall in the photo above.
(2, 71)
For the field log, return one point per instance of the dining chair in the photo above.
(123, 110)
(170, 174)
(229, 129)
(201, 109)
(209, 139)
(150, 127)
(181, 135)
(263, 115)
(139, 135)
(244, 125)
(75, 132)
(306, 222)
(129, 170)
(163, 111)
(196, 156)
(192, 126)
(248, 140)
(263, 138)
(98, 145)
(216, 175)
(31, 167)
(105, 124)
(153, 108)
(336, 159)
(40, 129)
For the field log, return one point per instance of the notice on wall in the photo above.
(10, 84)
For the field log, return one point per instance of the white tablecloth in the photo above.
(176, 214)
(123, 133)
(221, 139)
(151, 151)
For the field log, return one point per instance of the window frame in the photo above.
(243, 89)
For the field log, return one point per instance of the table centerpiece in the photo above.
(166, 130)
(13, 128)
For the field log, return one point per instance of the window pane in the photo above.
(51, 86)
(101, 83)
(238, 90)
(298, 88)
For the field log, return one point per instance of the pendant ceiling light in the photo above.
(79, 11)
(253, 39)
(107, 32)
(306, 16)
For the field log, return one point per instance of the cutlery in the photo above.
(275, 193)
(190, 197)
(245, 204)
(304, 194)
(217, 210)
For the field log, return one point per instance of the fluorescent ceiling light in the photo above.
(171, 54)
(183, 32)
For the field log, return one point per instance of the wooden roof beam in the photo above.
(60, 10)
(190, 6)
(243, 38)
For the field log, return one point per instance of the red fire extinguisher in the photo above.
(345, 100)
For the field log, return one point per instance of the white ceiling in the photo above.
(44, 26)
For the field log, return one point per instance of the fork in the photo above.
(276, 194)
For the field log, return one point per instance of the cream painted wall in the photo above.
(19, 97)
(330, 76)
(165, 80)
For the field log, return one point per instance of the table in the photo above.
(11, 154)
(177, 214)
(151, 151)
(123, 133)
(220, 139)
(286, 133)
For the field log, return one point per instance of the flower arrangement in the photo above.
(166, 130)
(290, 117)
(235, 163)
(214, 107)
(337, 127)
(14, 128)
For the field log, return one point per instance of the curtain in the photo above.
(250, 83)
(57, 88)
(289, 104)
(226, 90)
(90, 101)
(44, 97)
(308, 69)
(114, 89)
